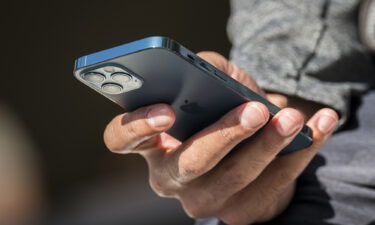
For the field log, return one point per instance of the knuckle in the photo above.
(131, 131)
(200, 207)
(189, 168)
(270, 147)
(227, 135)
(196, 212)
(232, 216)
(227, 132)
(160, 188)
(232, 178)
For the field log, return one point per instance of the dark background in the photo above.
(84, 183)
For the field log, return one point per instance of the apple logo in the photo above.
(191, 108)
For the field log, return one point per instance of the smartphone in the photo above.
(160, 70)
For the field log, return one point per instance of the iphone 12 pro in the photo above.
(159, 70)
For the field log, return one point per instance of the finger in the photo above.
(127, 131)
(205, 149)
(282, 172)
(221, 63)
(288, 167)
(162, 141)
(279, 100)
(214, 58)
(244, 78)
(166, 141)
(244, 166)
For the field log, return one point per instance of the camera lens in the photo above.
(121, 77)
(94, 77)
(111, 88)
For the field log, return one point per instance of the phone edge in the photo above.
(124, 49)
(155, 42)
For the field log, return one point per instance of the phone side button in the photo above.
(219, 76)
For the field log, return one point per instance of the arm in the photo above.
(305, 49)
(21, 199)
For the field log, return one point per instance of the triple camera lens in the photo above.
(112, 80)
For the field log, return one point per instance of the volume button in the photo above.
(220, 77)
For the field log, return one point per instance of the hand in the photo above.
(251, 185)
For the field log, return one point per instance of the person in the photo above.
(305, 57)
(21, 193)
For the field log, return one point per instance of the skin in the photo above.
(21, 195)
(252, 185)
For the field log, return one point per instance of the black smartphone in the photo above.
(160, 70)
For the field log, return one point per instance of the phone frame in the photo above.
(165, 43)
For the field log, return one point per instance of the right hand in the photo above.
(251, 185)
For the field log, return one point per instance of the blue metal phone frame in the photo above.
(150, 42)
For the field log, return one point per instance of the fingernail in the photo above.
(158, 117)
(252, 116)
(326, 123)
(287, 124)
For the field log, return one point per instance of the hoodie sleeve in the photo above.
(308, 49)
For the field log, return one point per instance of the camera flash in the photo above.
(109, 69)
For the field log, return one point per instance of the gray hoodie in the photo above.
(305, 48)
(312, 49)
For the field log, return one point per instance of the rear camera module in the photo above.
(111, 79)
(121, 77)
(94, 77)
(111, 88)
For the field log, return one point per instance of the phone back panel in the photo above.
(198, 97)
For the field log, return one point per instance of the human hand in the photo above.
(251, 185)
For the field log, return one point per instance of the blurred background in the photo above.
(54, 167)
